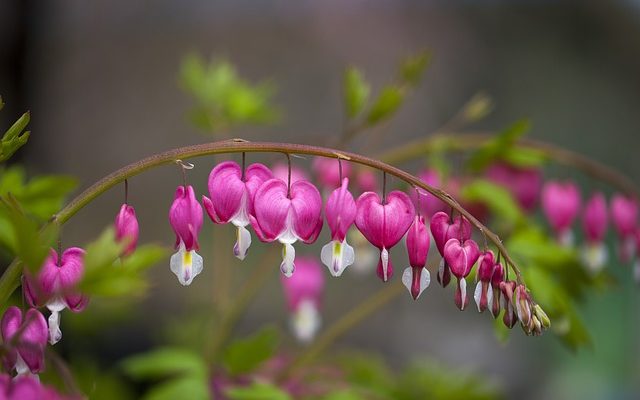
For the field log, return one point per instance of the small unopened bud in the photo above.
(542, 316)
(478, 107)
(523, 305)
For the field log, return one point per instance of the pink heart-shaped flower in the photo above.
(561, 204)
(384, 224)
(340, 211)
(461, 256)
(443, 229)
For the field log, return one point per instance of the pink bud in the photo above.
(341, 213)
(28, 347)
(523, 305)
(127, 230)
(523, 183)
(483, 294)
(595, 218)
(185, 217)
(416, 278)
(327, 171)
(384, 224)
(624, 214)
(496, 280)
(561, 204)
(510, 318)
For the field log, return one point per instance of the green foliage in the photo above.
(412, 68)
(245, 355)
(477, 108)
(356, 91)
(497, 198)
(15, 137)
(498, 146)
(223, 99)
(387, 103)
(180, 388)
(107, 276)
(257, 391)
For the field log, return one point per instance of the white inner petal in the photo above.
(594, 257)
(337, 256)
(407, 280)
(55, 334)
(21, 366)
(306, 321)
(243, 241)
(186, 265)
(288, 235)
(441, 269)
(477, 295)
(463, 291)
(384, 257)
(241, 218)
(288, 257)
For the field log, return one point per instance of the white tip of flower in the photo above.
(288, 257)
(186, 265)
(477, 295)
(407, 280)
(243, 241)
(594, 257)
(463, 291)
(22, 368)
(55, 334)
(384, 257)
(441, 269)
(337, 256)
(306, 321)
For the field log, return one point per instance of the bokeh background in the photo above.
(101, 81)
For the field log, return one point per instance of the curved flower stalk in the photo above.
(185, 217)
(341, 213)
(594, 223)
(56, 287)
(232, 194)
(416, 277)
(443, 228)
(561, 204)
(287, 214)
(127, 229)
(303, 292)
(624, 215)
(384, 223)
(25, 339)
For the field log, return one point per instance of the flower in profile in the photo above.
(185, 217)
(624, 215)
(594, 223)
(416, 277)
(340, 212)
(510, 318)
(523, 183)
(483, 294)
(461, 255)
(496, 279)
(443, 228)
(287, 214)
(384, 223)
(232, 193)
(303, 292)
(55, 287)
(25, 340)
(561, 204)
(328, 172)
(127, 229)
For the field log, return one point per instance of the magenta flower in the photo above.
(384, 224)
(483, 294)
(281, 171)
(523, 305)
(232, 194)
(327, 171)
(56, 287)
(460, 256)
(444, 228)
(523, 183)
(303, 291)
(561, 204)
(27, 387)
(594, 223)
(287, 215)
(25, 340)
(496, 280)
(185, 217)
(416, 277)
(127, 229)
(510, 318)
(341, 212)
(624, 215)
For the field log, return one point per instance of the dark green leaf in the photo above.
(257, 391)
(413, 67)
(244, 355)
(191, 388)
(524, 157)
(386, 104)
(14, 137)
(356, 91)
(497, 198)
(165, 362)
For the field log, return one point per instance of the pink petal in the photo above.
(33, 340)
(561, 204)
(11, 321)
(418, 243)
(306, 204)
(384, 225)
(486, 265)
(271, 208)
(624, 214)
(327, 171)
(255, 175)
(127, 229)
(595, 218)
(185, 217)
(340, 211)
(443, 229)
(226, 189)
(461, 256)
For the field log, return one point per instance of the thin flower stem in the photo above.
(352, 318)
(11, 277)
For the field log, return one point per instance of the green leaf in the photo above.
(344, 394)
(14, 137)
(164, 362)
(181, 388)
(497, 198)
(413, 67)
(478, 107)
(245, 355)
(387, 103)
(498, 146)
(524, 157)
(356, 91)
(257, 391)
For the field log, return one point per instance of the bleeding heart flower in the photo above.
(27, 387)
(232, 195)
(444, 228)
(416, 278)
(483, 294)
(127, 230)
(624, 215)
(327, 171)
(523, 183)
(341, 212)
(523, 305)
(460, 256)
(303, 292)
(594, 225)
(185, 217)
(561, 204)
(510, 318)
(24, 340)
(287, 215)
(496, 280)
(384, 223)
(56, 287)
